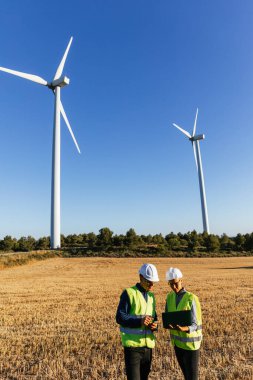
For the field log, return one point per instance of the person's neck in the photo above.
(142, 288)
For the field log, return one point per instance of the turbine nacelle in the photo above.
(61, 82)
(197, 137)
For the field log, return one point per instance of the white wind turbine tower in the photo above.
(55, 85)
(196, 149)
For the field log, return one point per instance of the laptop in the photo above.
(181, 318)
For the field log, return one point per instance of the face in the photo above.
(146, 284)
(176, 285)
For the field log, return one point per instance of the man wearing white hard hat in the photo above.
(136, 315)
(185, 339)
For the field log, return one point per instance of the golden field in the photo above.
(57, 318)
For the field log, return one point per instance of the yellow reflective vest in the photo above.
(184, 340)
(141, 336)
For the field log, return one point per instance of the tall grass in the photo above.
(8, 260)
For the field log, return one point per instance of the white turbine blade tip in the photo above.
(69, 127)
(195, 123)
(31, 77)
(182, 130)
(62, 63)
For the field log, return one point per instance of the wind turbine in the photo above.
(55, 85)
(196, 150)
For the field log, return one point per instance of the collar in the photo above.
(181, 292)
(140, 288)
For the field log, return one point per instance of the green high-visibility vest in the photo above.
(187, 341)
(141, 336)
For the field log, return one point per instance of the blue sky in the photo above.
(135, 67)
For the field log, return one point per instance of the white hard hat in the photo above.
(173, 274)
(149, 272)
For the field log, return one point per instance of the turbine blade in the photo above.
(69, 127)
(33, 78)
(195, 123)
(182, 130)
(61, 65)
(194, 152)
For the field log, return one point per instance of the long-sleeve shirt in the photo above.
(179, 296)
(123, 316)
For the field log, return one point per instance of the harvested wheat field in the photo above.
(58, 318)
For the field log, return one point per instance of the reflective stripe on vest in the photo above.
(141, 336)
(184, 340)
(128, 330)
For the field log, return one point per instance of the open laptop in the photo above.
(181, 318)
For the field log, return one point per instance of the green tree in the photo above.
(226, 243)
(158, 239)
(118, 240)
(183, 239)
(63, 240)
(173, 242)
(42, 243)
(193, 245)
(8, 243)
(171, 235)
(212, 243)
(132, 239)
(248, 242)
(193, 241)
(147, 239)
(84, 239)
(239, 241)
(105, 237)
(91, 239)
(25, 244)
(73, 240)
(201, 239)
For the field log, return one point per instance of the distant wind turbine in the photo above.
(196, 150)
(55, 85)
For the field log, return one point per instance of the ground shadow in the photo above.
(251, 267)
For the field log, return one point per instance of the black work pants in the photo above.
(138, 362)
(189, 362)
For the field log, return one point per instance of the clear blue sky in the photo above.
(135, 67)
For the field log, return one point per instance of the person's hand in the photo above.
(153, 326)
(147, 320)
(183, 328)
(180, 328)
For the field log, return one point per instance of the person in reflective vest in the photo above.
(136, 315)
(185, 339)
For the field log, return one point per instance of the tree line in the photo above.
(106, 240)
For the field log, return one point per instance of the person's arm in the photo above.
(123, 316)
(193, 326)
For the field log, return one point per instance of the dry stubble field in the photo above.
(58, 318)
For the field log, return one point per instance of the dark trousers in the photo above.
(138, 362)
(189, 362)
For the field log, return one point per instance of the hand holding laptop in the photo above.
(180, 328)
